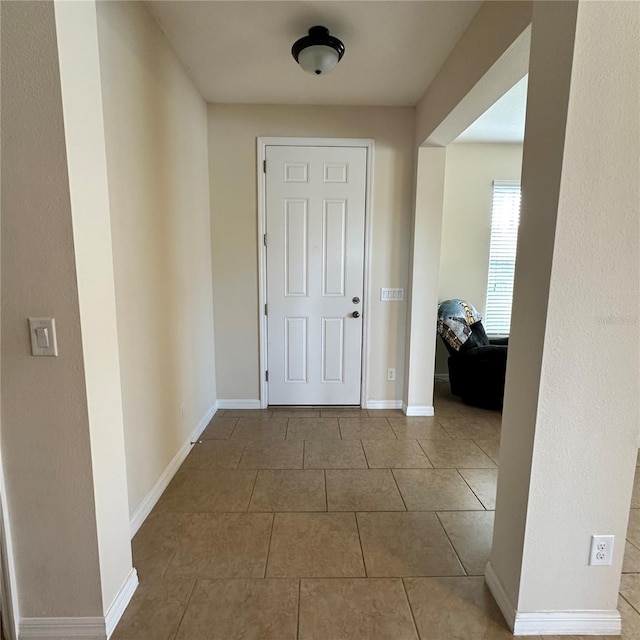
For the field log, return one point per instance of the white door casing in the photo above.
(315, 199)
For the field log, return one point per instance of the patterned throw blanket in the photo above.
(455, 318)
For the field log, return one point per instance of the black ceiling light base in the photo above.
(319, 52)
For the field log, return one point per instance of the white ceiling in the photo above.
(503, 122)
(240, 52)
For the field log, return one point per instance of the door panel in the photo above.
(315, 200)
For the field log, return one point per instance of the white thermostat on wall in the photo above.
(391, 295)
(43, 337)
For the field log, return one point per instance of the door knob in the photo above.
(356, 314)
(356, 300)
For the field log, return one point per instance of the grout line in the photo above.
(326, 494)
(364, 562)
(299, 597)
(455, 551)
(393, 475)
(286, 431)
(629, 603)
(266, 563)
(365, 454)
(340, 429)
(474, 493)
(255, 481)
(413, 617)
(433, 466)
(246, 444)
(193, 588)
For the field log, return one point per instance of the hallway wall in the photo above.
(156, 138)
(233, 130)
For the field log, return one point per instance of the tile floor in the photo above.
(333, 524)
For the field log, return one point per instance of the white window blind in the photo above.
(505, 217)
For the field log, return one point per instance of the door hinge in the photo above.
(266, 376)
(264, 166)
(264, 239)
(266, 306)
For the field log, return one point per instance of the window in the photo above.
(505, 216)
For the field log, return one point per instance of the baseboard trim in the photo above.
(120, 602)
(568, 623)
(417, 410)
(383, 404)
(557, 623)
(141, 513)
(442, 377)
(239, 404)
(77, 628)
(500, 595)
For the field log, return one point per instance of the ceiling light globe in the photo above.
(318, 59)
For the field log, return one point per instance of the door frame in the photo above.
(360, 143)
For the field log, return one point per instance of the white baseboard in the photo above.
(145, 507)
(383, 404)
(239, 404)
(441, 377)
(417, 410)
(500, 595)
(120, 602)
(556, 623)
(76, 628)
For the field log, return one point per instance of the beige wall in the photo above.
(571, 405)
(466, 221)
(45, 427)
(233, 130)
(156, 138)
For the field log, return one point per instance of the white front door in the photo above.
(315, 207)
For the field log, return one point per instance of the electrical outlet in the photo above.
(601, 550)
(391, 374)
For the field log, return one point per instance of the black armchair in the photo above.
(477, 364)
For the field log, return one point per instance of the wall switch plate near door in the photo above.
(43, 337)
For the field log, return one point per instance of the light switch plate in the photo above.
(391, 295)
(43, 337)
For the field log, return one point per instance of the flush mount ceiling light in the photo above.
(319, 52)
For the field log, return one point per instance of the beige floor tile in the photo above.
(312, 428)
(219, 429)
(456, 454)
(470, 428)
(490, 415)
(395, 454)
(445, 410)
(264, 454)
(363, 490)
(406, 544)
(409, 428)
(633, 531)
(366, 428)
(334, 454)
(484, 483)
(223, 545)
(315, 545)
(365, 609)
(289, 490)
(455, 609)
(247, 413)
(260, 429)
(631, 563)
(630, 589)
(346, 412)
(491, 447)
(241, 610)
(214, 454)
(385, 413)
(435, 490)
(155, 611)
(200, 490)
(156, 542)
(292, 412)
(635, 498)
(471, 534)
